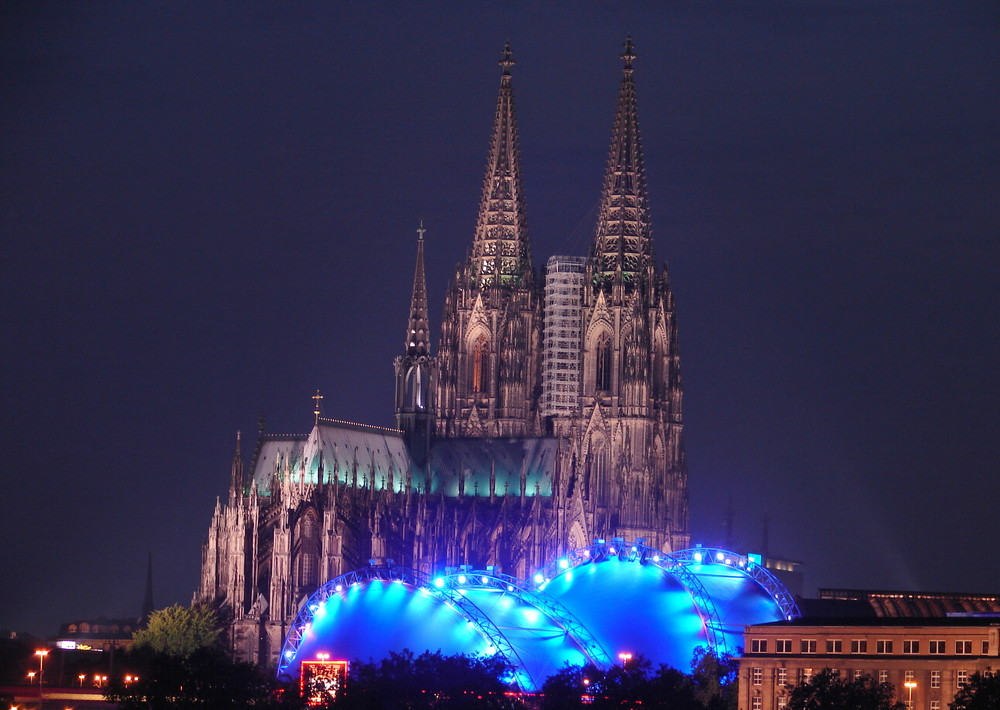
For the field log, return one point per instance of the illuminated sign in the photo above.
(321, 681)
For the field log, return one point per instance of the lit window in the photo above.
(758, 645)
(808, 645)
(937, 647)
(806, 675)
(935, 705)
(834, 646)
(911, 646)
(858, 674)
(783, 645)
(963, 648)
(782, 702)
(936, 678)
(962, 677)
(883, 646)
(781, 677)
(908, 676)
(859, 646)
(757, 703)
(986, 648)
(757, 676)
(883, 676)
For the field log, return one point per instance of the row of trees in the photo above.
(181, 665)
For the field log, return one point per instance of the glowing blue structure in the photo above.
(587, 607)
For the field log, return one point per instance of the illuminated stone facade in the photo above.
(475, 473)
(935, 655)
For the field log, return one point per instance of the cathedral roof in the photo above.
(476, 460)
(368, 456)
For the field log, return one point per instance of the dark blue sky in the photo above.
(208, 210)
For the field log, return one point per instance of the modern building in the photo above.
(484, 468)
(925, 659)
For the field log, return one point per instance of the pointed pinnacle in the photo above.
(507, 60)
(629, 55)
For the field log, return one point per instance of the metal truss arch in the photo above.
(525, 592)
(409, 577)
(757, 572)
(618, 548)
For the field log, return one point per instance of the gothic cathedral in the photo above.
(550, 415)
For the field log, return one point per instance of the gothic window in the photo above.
(602, 370)
(415, 387)
(480, 365)
(307, 559)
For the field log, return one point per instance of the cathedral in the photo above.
(548, 415)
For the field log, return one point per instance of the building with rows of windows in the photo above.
(925, 659)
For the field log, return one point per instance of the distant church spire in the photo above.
(147, 601)
(623, 246)
(417, 331)
(415, 369)
(500, 251)
(236, 473)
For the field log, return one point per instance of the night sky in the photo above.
(210, 209)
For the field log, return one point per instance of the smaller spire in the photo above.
(417, 341)
(147, 602)
(236, 476)
(628, 56)
(317, 398)
(507, 60)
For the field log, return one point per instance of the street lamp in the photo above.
(626, 657)
(81, 677)
(42, 653)
(909, 685)
(31, 677)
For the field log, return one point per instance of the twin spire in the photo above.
(501, 255)
(623, 244)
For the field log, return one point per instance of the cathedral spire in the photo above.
(236, 473)
(417, 332)
(623, 246)
(500, 253)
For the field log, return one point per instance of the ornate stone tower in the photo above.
(489, 354)
(415, 368)
(633, 471)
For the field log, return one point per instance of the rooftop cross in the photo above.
(628, 56)
(316, 398)
(507, 60)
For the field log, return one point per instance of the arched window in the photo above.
(415, 387)
(480, 365)
(307, 559)
(602, 370)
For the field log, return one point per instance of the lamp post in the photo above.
(31, 677)
(41, 653)
(909, 685)
(626, 657)
(82, 676)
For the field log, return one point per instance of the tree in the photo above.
(714, 679)
(828, 691)
(620, 686)
(179, 630)
(982, 692)
(430, 680)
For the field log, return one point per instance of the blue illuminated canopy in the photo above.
(586, 607)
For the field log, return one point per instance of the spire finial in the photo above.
(421, 230)
(507, 60)
(628, 55)
(316, 398)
